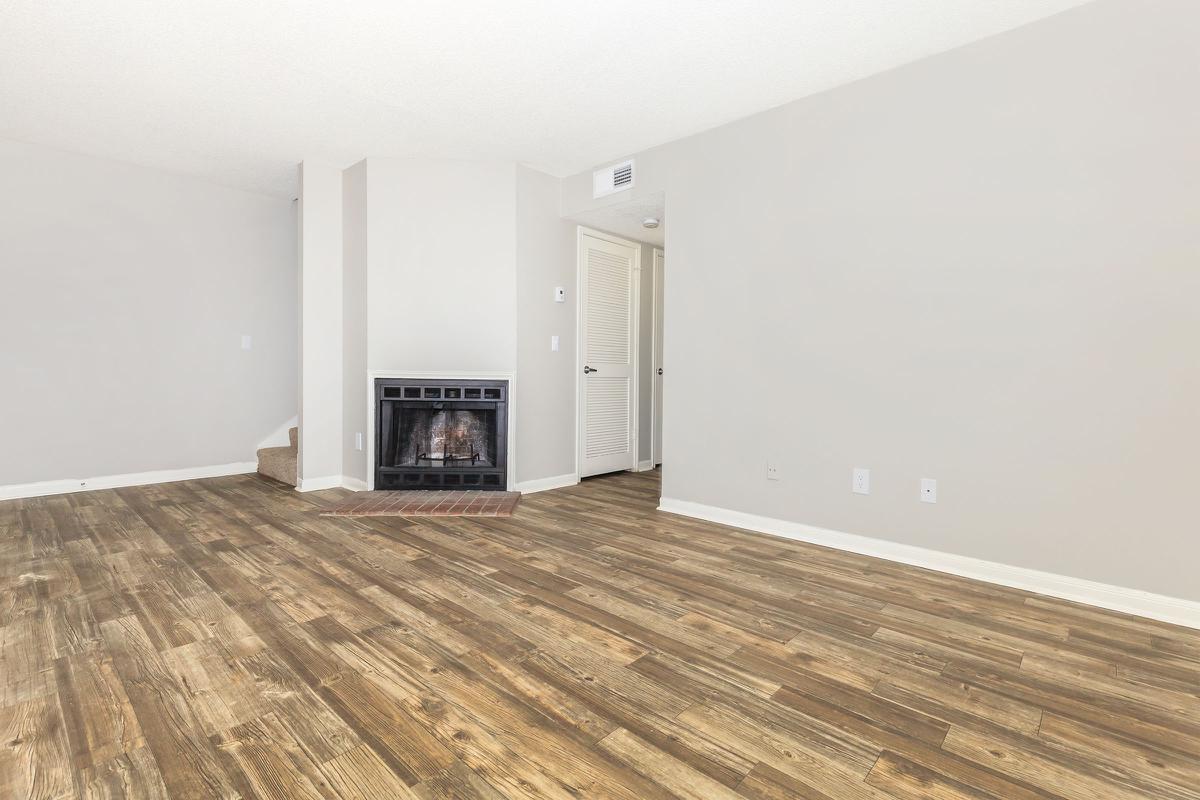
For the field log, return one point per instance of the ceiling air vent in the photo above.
(616, 178)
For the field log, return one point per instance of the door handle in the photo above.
(660, 370)
(586, 370)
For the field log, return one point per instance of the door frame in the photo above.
(635, 322)
(658, 267)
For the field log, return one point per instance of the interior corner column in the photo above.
(320, 453)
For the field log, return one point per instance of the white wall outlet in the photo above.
(772, 472)
(861, 481)
(246, 341)
(554, 344)
(358, 442)
(928, 490)
(560, 294)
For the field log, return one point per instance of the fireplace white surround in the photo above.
(437, 229)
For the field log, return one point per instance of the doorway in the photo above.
(609, 283)
(635, 224)
(656, 356)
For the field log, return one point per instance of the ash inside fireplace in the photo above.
(432, 437)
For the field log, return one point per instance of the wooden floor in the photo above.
(219, 638)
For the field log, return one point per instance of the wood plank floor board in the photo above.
(220, 638)
(167, 714)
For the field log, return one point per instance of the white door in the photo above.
(608, 271)
(656, 412)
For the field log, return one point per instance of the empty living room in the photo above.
(651, 401)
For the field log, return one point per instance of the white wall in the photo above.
(545, 423)
(355, 232)
(321, 321)
(441, 265)
(427, 279)
(124, 294)
(981, 268)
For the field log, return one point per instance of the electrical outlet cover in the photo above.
(861, 481)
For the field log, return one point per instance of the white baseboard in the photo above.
(544, 484)
(68, 485)
(644, 466)
(317, 484)
(1115, 598)
(353, 484)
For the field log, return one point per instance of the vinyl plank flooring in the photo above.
(221, 639)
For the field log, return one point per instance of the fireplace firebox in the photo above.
(441, 434)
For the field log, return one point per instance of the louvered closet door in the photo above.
(606, 391)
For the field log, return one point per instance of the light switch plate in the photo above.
(560, 294)
(928, 490)
(246, 341)
(554, 344)
(861, 481)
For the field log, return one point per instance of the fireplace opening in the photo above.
(445, 437)
(440, 435)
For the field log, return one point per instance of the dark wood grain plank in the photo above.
(221, 638)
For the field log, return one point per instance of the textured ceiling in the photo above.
(625, 219)
(238, 91)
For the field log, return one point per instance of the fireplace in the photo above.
(441, 434)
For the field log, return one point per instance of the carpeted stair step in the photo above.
(280, 462)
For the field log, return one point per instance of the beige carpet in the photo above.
(280, 462)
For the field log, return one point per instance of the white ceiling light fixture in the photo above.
(650, 222)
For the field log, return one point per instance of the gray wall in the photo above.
(441, 249)
(427, 271)
(981, 268)
(124, 293)
(545, 421)
(321, 325)
(354, 320)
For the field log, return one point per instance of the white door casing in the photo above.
(656, 372)
(609, 269)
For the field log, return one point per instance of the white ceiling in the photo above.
(239, 91)
(625, 219)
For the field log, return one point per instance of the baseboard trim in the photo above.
(545, 484)
(317, 484)
(332, 482)
(70, 485)
(1114, 598)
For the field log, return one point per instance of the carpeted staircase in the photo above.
(280, 462)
